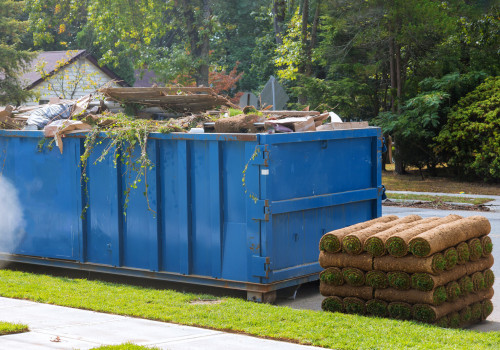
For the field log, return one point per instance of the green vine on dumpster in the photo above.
(243, 180)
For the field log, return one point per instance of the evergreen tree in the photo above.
(12, 59)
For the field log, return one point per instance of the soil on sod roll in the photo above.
(463, 253)
(354, 306)
(449, 235)
(332, 241)
(451, 257)
(412, 296)
(332, 275)
(399, 310)
(480, 265)
(453, 291)
(426, 282)
(399, 280)
(375, 245)
(428, 313)
(362, 261)
(489, 278)
(377, 308)
(353, 242)
(476, 249)
(433, 264)
(332, 304)
(353, 276)
(466, 285)
(487, 245)
(363, 292)
(376, 279)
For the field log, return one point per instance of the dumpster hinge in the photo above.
(261, 210)
(261, 156)
(261, 266)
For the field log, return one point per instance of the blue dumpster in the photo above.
(241, 211)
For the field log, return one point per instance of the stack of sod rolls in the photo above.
(433, 270)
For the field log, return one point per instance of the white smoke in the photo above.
(12, 224)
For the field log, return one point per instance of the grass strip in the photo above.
(399, 280)
(354, 306)
(125, 346)
(487, 308)
(376, 279)
(377, 308)
(463, 253)
(375, 246)
(330, 330)
(332, 275)
(353, 276)
(453, 291)
(489, 278)
(476, 312)
(329, 243)
(433, 198)
(465, 315)
(451, 257)
(466, 285)
(478, 281)
(443, 322)
(476, 249)
(487, 245)
(12, 328)
(454, 318)
(399, 310)
(332, 304)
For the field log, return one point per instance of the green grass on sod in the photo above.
(326, 329)
(445, 199)
(126, 346)
(12, 328)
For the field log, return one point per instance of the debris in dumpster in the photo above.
(48, 113)
(57, 129)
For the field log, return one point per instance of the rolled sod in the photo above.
(463, 253)
(377, 308)
(428, 313)
(453, 291)
(362, 261)
(449, 235)
(427, 282)
(327, 290)
(399, 280)
(411, 264)
(478, 281)
(376, 279)
(476, 249)
(476, 312)
(397, 245)
(399, 310)
(443, 322)
(487, 245)
(480, 265)
(332, 241)
(332, 304)
(454, 318)
(487, 308)
(466, 285)
(465, 315)
(353, 242)
(354, 306)
(489, 278)
(353, 276)
(332, 275)
(451, 257)
(412, 296)
(375, 245)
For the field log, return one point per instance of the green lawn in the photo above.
(332, 330)
(431, 198)
(12, 328)
(126, 346)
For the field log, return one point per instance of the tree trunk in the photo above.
(392, 68)
(203, 70)
(399, 81)
(302, 66)
(279, 8)
(312, 44)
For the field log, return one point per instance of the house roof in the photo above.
(31, 77)
(145, 78)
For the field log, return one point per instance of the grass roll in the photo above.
(427, 282)
(487, 308)
(480, 265)
(332, 275)
(478, 281)
(453, 291)
(332, 304)
(376, 279)
(354, 306)
(397, 245)
(399, 310)
(364, 292)
(411, 264)
(449, 235)
(463, 253)
(353, 243)
(489, 278)
(476, 249)
(443, 322)
(454, 318)
(476, 312)
(451, 257)
(353, 276)
(399, 280)
(465, 315)
(332, 241)
(487, 245)
(466, 285)
(362, 261)
(377, 308)
(412, 296)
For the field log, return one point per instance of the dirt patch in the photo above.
(436, 205)
(205, 302)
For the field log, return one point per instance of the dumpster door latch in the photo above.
(261, 210)
(261, 266)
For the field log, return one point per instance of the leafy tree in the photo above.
(12, 59)
(471, 136)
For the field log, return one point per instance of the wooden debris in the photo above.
(297, 124)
